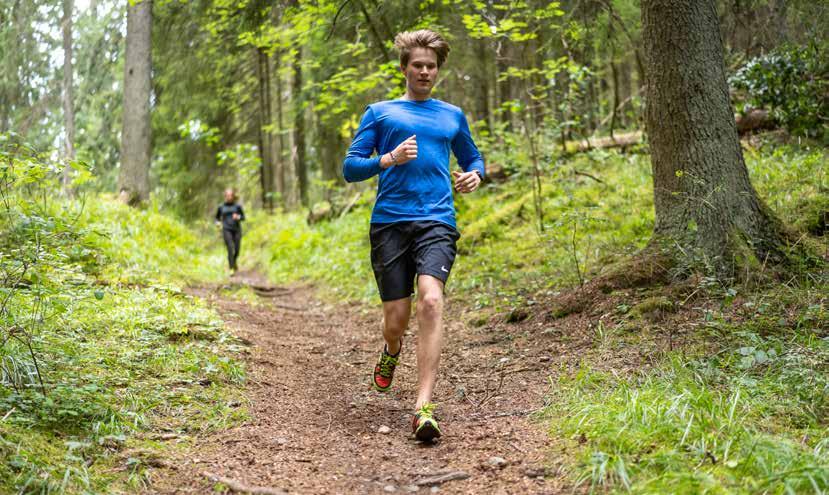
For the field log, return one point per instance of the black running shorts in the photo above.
(401, 250)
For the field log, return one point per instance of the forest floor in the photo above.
(316, 427)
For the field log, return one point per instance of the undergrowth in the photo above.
(747, 411)
(100, 350)
(598, 208)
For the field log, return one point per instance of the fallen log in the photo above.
(441, 477)
(617, 141)
(755, 119)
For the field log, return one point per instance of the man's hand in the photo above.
(405, 152)
(466, 182)
(236, 216)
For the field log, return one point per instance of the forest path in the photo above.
(314, 421)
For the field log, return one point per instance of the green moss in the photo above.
(653, 307)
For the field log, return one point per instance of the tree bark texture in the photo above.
(704, 200)
(134, 176)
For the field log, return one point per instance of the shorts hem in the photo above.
(443, 277)
(389, 299)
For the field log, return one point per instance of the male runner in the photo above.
(413, 223)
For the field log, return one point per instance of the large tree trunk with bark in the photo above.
(134, 176)
(68, 106)
(705, 203)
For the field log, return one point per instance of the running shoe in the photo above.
(424, 425)
(384, 370)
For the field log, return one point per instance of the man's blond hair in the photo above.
(423, 38)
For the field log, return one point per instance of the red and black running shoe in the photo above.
(384, 370)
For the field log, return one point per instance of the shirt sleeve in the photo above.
(469, 158)
(359, 165)
(219, 214)
(241, 213)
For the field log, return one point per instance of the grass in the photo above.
(149, 247)
(138, 360)
(101, 350)
(750, 417)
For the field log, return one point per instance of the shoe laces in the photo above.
(426, 411)
(387, 365)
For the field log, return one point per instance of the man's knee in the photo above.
(430, 303)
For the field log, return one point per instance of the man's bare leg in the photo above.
(395, 321)
(430, 335)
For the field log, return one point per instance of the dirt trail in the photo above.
(314, 421)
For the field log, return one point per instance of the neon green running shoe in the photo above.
(384, 370)
(424, 425)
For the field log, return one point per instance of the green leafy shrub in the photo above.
(793, 83)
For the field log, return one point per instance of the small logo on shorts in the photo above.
(443, 268)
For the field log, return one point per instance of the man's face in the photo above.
(229, 195)
(421, 71)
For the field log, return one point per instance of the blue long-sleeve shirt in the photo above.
(422, 188)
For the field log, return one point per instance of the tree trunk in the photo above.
(68, 107)
(482, 110)
(280, 122)
(704, 201)
(265, 166)
(329, 146)
(134, 176)
(614, 76)
(504, 87)
(300, 164)
(625, 92)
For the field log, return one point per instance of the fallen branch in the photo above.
(237, 487)
(350, 205)
(585, 174)
(442, 477)
(618, 141)
(6, 416)
(270, 288)
(505, 414)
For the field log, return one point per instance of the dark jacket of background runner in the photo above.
(231, 230)
(225, 213)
